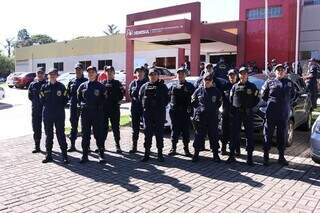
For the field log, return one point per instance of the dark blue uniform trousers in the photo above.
(114, 117)
(91, 118)
(245, 118)
(180, 125)
(282, 133)
(74, 120)
(136, 117)
(154, 125)
(208, 126)
(56, 121)
(36, 115)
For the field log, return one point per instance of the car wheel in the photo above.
(308, 124)
(290, 132)
(316, 160)
(10, 86)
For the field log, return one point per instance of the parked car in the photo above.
(315, 141)
(9, 80)
(2, 79)
(64, 78)
(300, 112)
(23, 80)
(165, 74)
(2, 93)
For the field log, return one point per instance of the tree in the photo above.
(9, 45)
(112, 30)
(23, 39)
(41, 39)
(6, 65)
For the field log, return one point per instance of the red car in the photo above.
(23, 80)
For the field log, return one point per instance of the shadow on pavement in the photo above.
(5, 106)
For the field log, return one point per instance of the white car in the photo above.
(66, 77)
(2, 93)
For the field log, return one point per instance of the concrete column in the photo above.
(195, 39)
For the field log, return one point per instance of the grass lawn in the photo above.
(125, 120)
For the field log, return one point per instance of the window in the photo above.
(311, 2)
(102, 63)
(166, 62)
(85, 64)
(258, 13)
(58, 66)
(43, 65)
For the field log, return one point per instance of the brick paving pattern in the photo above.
(125, 184)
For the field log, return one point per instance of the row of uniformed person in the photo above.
(99, 102)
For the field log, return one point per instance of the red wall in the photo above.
(281, 32)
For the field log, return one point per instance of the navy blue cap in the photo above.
(78, 66)
(181, 69)
(92, 68)
(53, 71)
(108, 68)
(278, 66)
(208, 75)
(243, 69)
(40, 69)
(232, 72)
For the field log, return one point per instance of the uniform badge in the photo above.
(249, 91)
(214, 98)
(96, 92)
(59, 93)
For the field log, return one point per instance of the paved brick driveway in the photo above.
(126, 185)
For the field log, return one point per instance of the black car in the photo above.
(300, 114)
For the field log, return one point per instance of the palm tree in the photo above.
(112, 30)
(9, 45)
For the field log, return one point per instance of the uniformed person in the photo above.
(154, 98)
(226, 113)
(72, 88)
(114, 95)
(206, 101)
(244, 95)
(91, 96)
(180, 111)
(221, 69)
(272, 65)
(53, 96)
(219, 83)
(136, 106)
(278, 93)
(311, 81)
(36, 105)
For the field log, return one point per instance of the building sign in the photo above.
(161, 28)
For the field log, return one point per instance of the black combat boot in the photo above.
(195, 157)
(48, 157)
(101, 156)
(146, 156)
(118, 148)
(238, 152)
(84, 158)
(231, 158)
(186, 150)
(134, 147)
(65, 159)
(249, 159)
(173, 150)
(37, 147)
(224, 149)
(216, 157)
(160, 155)
(282, 161)
(266, 158)
(73, 146)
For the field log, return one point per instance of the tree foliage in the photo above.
(112, 30)
(6, 65)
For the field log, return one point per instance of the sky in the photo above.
(68, 19)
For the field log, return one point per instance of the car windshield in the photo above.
(258, 80)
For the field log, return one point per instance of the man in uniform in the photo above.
(206, 101)
(226, 113)
(53, 96)
(72, 88)
(311, 81)
(36, 114)
(91, 96)
(221, 69)
(154, 98)
(278, 94)
(244, 95)
(180, 111)
(136, 106)
(114, 95)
